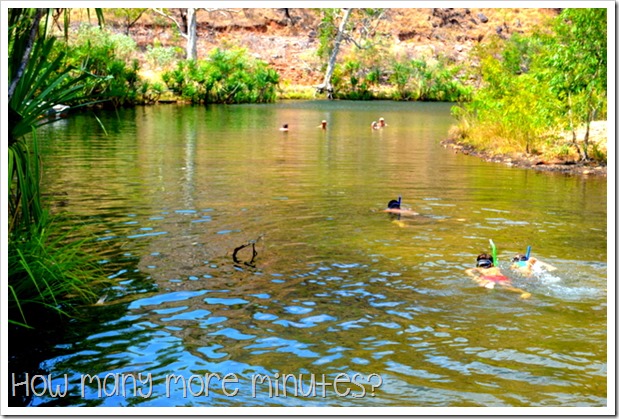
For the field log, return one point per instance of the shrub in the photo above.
(107, 57)
(227, 76)
(161, 57)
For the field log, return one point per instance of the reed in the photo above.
(50, 272)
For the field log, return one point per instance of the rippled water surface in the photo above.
(173, 194)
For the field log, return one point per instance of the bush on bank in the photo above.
(226, 76)
(533, 87)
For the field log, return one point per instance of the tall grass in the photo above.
(50, 272)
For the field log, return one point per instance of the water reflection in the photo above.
(337, 287)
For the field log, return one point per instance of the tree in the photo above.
(130, 16)
(187, 27)
(326, 84)
(332, 35)
(577, 67)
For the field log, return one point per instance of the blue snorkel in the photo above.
(521, 261)
(495, 259)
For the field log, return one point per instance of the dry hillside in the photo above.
(286, 38)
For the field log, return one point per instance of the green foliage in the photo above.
(576, 66)
(42, 271)
(227, 76)
(162, 57)
(38, 84)
(327, 31)
(350, 81)
(129, 16)
(45, 82)
(506, 111)
(49, 274)
(418, 80)
(108, 58)
(534, 85)
(518, 53)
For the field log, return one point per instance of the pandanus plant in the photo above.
(38, 81)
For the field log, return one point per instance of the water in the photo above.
(336, 286)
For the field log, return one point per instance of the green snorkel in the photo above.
(495, 260)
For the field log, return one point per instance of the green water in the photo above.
(337, 286)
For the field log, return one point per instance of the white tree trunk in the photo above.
(192, 35)
(336, 48)
(192, 31)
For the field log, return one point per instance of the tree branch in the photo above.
(130, 24)
(178, 25)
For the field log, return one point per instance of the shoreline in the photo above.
(568, 167)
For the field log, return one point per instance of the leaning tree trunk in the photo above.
(192, 35)
(336, 48)
(188, 28)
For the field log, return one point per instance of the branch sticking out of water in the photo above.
(251, 243)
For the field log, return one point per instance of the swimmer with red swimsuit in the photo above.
(487, 275)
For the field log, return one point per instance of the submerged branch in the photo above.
(251, 243)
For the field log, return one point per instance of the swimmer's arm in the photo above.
(548, 267)
(401, 211)
(524, 270)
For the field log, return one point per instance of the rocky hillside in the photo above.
(286, 38)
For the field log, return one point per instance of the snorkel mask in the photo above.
(484, 263)
(521, 260)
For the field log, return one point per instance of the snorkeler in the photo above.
(395, 207)
(284, 127)
(487, 275)
(527, 265)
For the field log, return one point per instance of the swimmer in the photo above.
(395, 203)
(487, 275)
(284, 127)
(395, 207)
(529, 265)
(381, 123)
(374, 125)
(323, 124)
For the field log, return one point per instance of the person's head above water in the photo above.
(323, 124)
(284, 127)
(485, 260)
(395, 203)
